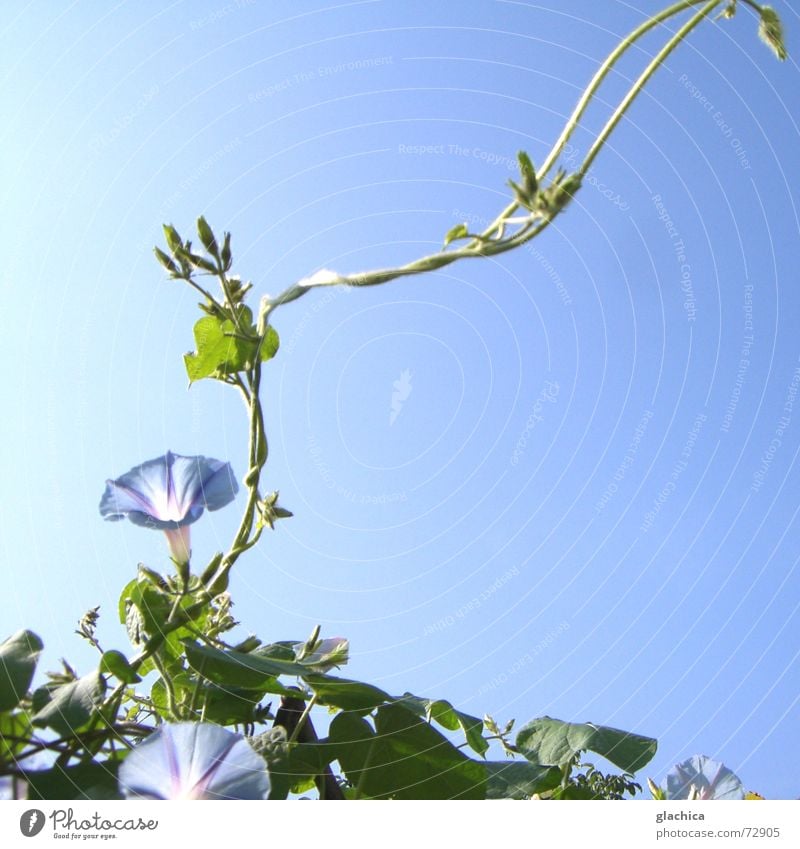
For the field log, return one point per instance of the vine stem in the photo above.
(648, 72)
(489, 243)
(303, 717)
(603, 71)
(483, 245)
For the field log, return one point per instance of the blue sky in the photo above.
(581, 501)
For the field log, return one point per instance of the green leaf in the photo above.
(270, 345)
(574, 792)
(18, 657)
(223, 348)
(219, 351)
(551, 741)
(154, 606)
(13, 725)
(404, 758)
(69, 707)
(115, 663)
(518, 780)
(250, 671)
(229, 705)
(83, 781)
(182, 685)
(344, 693)
(460, 231)
(448, 717)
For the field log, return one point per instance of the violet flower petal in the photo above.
(169, 492)
(712, 779)
(191, 760)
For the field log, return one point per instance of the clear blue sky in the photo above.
(586, 503)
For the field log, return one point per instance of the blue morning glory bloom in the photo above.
(701, 778)
(169, 494)
(194, 760)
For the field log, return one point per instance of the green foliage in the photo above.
(593, 784)
(403, 757)
(249, 671)
(15, 731)
(443, 713)
(18, 657)
(460, 231)
(181, 669)
(551, 741)
(82, 781)
(519, 780)
(115, 663)
(67, 707)
(226, 346)
(345, 694)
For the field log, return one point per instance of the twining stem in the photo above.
(489, 243)
(484, 245)
(257, 458)
(303, 717)
(602, 73)
(168, 688)
(64, 745)
(648, 72)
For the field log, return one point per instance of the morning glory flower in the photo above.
(701, 778)
(169, 494)
(194, 760)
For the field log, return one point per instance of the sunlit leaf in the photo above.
(404, 757)
(519, 779)
(18, 657)
(344, 693)
(551, 741)
(115, 663)
(69, 707)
